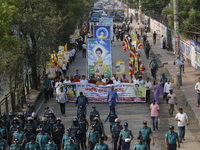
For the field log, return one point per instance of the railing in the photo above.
(4, 103)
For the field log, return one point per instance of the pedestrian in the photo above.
(5, 121)
(36, 119)
(66, 136)
(29, 128)
(82, 101)
(171, 137)
(13, 127)
(15, 145)
(32, 144)
(116, 129)
(46, 88)
(147, 49)
(80, 112)
(112, 115)
(154, 37)
(158, 90)
(93, 114)
(71, 145)
(167, 87)
(116, 81)
(61, 98)
(58, 131)
(51, 145)
(99, 126)
(155, 113)
(124, 79)
(58, 84)
(161, 42)
(182, 60)
(45, 126)
(125, 137)
(28, 112)
(51, 120)
(83, 80)
(42, 138)
(163, 79)
(197, 88)
(19, 135)
(46, 112)
(148, 86)
(84, 50)
(77, 74)
(64, 69)
(172, 100)
(4, 131)
(140, 145)
(112, 97)
(182, 119)
(101, 145)
(154, 68)
(146, 133)
(93, 137)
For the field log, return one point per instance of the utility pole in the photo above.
(140, 11)
(177, 44)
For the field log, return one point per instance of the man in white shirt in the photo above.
(84, 50)
(148, 86)
(113, 77)
(167, 87)
(67, 80)
(57, 85)
(197, 88)
(182, 119)
(103, 79)
(171, 101)
(71, 55)
(61, 98)
(140, 80)
(84, 80)
(116, 81)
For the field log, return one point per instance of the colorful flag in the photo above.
(126, 44)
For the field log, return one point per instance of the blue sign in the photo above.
(102, 32)
(187, 50)
(182, 47)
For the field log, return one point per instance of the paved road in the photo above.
(134, 114)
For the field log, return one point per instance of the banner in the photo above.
(76, 33)
(50, 70)
(61, 49)
(98, 68)
(60, 59)
(127, 92)
(119, 66)
(72, 38)
(107, 22)
(99, 50)
(102, 32)
(66, 56)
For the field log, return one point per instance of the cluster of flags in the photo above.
(135, 62)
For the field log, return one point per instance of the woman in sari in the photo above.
(158, 90)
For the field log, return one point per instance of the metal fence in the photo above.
(5, 104)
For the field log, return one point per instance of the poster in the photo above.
(102, 32)
(72, 38)
(107, 22)
(98, 68)
(60, 59)
(99, 50)
(50, 70)
(76, 33)
(119, 67)
(66, 47)
(127, 92)
(65, 56)
(61, 49)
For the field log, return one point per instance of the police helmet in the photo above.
(58, 119)
(16, 118)
(74, 119)
(29, 118)
(117, 120)
(3, 116)
(34, 114)
(96, 118)
(10, 114)
(44, 119)
(20, 114)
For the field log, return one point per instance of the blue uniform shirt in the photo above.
(94, 136)
(125, 134)
(31, 146)
(3, 144)
(16, 147)
(51, 147)
(3, 131)
(145, 132)
(171, 137)
(19, 135)
(142, 146)
(65, 138)
(99, 146)
(72, 146)
(42, 140)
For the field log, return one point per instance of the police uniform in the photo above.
(82, 101)
(57, 136)
(83, 123)
(145, 132)
(46, 127)
(51, 146)
(3, 144)
(124, 134)
(51, 121)
(94, 138)
(112, 116)
(140, 146)
(92, 115)
(30, 129)
(74, 130)
(72, 146)
(6, 123)
(171, 139)
(13, 128)
(19, 135)
(3, 132)
(32, 146)
(66, 137)
(80, 113)
(102, 146)
(42, 139)
(115, 132)
(16, 147)
(28, 112)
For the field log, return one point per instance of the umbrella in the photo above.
(140, 26)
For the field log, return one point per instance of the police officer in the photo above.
(16, 145)
(28, 111)
(84, 124)
(58, 131)
(140, 145)
(3, 143)
(19, 135)
(71, 145)
(82, 101)
(66, 136)
(21, 119)
(10, 117)
(112, 115)
(93, 137)
(99, 126)
(126, 137)
(46, 112)
(146, 132)
(13, 127)
(32, 145)
(76, 129)
(29, 128)
(42, 138)
(45, 126)
(171, 137)
(3, 131)
(51, 119)
(36, 120)
(5, 121)
(80, 112)
(116, 129)
(51, 145)
(92, 114)
(101, 145)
